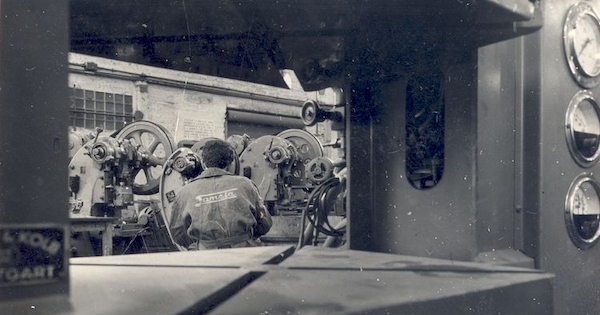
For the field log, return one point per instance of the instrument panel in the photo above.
(581, 36)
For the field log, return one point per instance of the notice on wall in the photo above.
(31, 255)
(200, 124)
(196, 129)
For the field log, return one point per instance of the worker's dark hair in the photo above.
(217, 153)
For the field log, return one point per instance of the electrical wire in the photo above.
(317, 215)
(320, 218)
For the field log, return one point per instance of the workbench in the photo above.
(104, 225)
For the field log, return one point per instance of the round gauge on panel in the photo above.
(582, 44)
(582, 211)
(582, 129)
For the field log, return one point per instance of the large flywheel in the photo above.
(156, 144)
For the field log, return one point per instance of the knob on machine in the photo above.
(312, 113)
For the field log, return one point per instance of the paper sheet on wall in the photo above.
(199, 124)
(196, 129)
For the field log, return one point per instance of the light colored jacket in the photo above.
(218, 209)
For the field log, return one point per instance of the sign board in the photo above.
(31, 254)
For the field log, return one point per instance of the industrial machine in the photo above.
(106, 173)
(292, 174)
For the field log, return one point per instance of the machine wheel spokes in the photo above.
(155, 144)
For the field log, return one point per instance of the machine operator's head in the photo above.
(217, 153)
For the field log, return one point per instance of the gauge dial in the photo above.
(586, 43)
(582, 129)
(582, 211)
(582, 44)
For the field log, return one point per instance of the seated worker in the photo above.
(218, 209)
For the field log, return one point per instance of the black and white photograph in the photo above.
(275, 157)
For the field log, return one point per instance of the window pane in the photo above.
(100, 106)
(79, 103)
(89, 104)
(99, 96)
(89, 95)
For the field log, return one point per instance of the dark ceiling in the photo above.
(323, 41)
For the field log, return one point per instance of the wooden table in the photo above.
(96, 224)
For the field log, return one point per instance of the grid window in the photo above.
(93, 109)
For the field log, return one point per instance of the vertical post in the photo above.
(107, 238)
(359, 206)
(34, 101)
